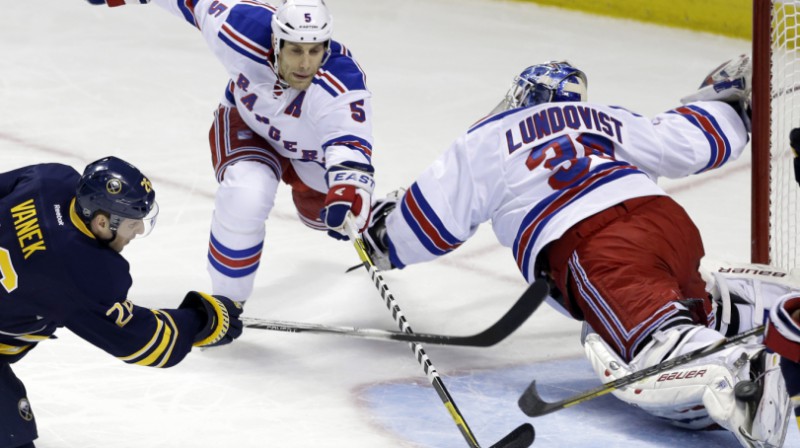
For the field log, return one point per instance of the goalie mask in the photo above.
(303, 22)
(554, 81)
(117, 188)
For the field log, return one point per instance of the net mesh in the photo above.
(784, 224)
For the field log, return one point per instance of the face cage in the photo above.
(524, 93)
(132, 228)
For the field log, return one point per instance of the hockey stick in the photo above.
(516, 316)
(532, 404)
(521, 437)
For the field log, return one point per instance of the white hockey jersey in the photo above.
(537, 171)
(328, 123)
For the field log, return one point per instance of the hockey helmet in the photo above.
(301, 21)
(553, 81)
(116, 187)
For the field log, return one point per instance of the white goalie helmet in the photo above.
(301, 21)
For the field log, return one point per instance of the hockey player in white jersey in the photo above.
(296, 109)
(570, 186)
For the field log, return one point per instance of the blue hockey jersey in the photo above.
(56, 274)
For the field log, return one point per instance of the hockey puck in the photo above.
(747, 391)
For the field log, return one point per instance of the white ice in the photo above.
(79, 82)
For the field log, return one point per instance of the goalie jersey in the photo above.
(56, 274)
(537, 171)
(328, 123)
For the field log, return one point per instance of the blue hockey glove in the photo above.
(113, 3)
(350, 186)
(223, 325)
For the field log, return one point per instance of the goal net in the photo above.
(775, 214)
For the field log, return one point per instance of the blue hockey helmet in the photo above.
(117, 188)
(553, 81)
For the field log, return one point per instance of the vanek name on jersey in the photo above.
(554, 119)
(26, 223)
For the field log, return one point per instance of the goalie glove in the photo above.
(223, 324)
(375, 237)
(113, 3)
(730, 83)
(350, 186)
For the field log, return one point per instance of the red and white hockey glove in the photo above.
(783, 330)
(350, 186)
(113, 3)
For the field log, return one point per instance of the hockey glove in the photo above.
(794, 141)
(375, 237)
(223, 325)
(350, 186)
(113, 3)
(731, 83)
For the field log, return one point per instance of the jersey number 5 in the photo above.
(9, 274)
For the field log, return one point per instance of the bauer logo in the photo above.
(681, 375)
(752, 271)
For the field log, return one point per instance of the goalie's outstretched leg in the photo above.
(740, 388)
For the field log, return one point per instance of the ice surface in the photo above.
(79, 82)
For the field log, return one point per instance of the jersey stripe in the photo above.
(717, 140)
(158, 349)
(544, 211)
(353, 142)
(426, 225)
(244, 46)
(222, 156)
(625, 341)
(186, 8)
(231, 262)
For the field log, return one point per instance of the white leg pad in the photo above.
(701, 393)
(759, 286)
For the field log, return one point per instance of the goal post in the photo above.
(775, 218)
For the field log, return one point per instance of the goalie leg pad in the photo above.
(676, 397)
(743, 294)
(699, 394)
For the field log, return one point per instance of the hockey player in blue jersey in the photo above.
(60, 266)
(295, 109)
(570, 187)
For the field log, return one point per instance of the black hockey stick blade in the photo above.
(524, 307)
(534, 406)
(353, 268)
(522, 437)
